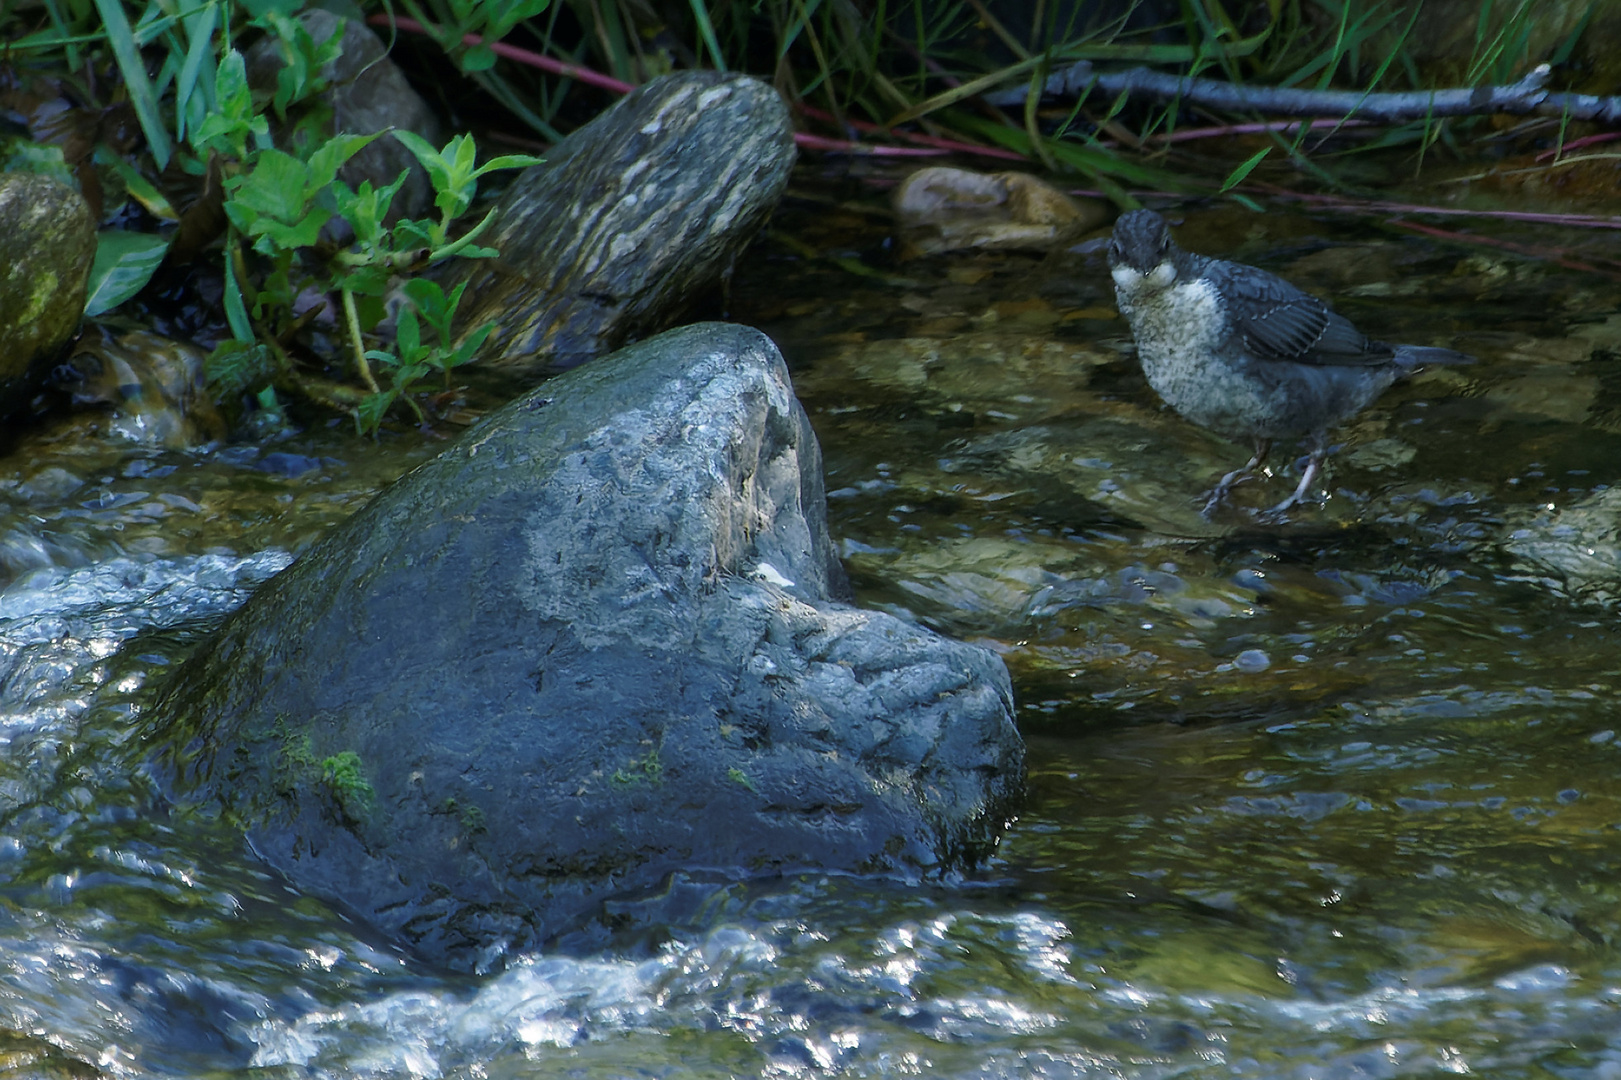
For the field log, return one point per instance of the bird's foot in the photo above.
(1314, 467)
(1219, 493)
(1236, 477)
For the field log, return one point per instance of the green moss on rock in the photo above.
(47, 243)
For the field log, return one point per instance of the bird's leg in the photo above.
(1314, 467)
(1237, 476)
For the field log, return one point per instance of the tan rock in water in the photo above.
(945, 209)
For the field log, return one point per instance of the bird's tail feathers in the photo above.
(1413, 357)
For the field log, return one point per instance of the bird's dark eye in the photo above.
(1115, 249)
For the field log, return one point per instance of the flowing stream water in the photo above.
(1333, 796)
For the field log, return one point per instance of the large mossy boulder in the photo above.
(594, 643)
(47, 244)
(628, 220)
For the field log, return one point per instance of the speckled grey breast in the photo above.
(1201, 368)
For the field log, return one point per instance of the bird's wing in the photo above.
(1280, 322)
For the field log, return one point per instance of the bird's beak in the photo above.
(1162, 275)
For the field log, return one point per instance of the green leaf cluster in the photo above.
(285, 206)
(295, 228)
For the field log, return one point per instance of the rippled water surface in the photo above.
(1335, 796)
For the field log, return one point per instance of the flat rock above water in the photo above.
(594, 643)
(628, 221)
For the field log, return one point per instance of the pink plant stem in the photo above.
(1332, 202)
(912, 136)
(811, 142)
(522, 56)
(1559, 151)
(1550, 254)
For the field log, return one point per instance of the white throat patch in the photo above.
(1132, 282)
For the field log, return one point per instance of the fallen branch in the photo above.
(1524, 97)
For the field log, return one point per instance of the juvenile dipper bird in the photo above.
(1245, 353)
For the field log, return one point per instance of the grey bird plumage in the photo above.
(1243, 352)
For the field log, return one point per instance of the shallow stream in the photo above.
(1337, 796)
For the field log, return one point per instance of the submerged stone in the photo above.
(147, 388)
(592, 644)
(1573, 550)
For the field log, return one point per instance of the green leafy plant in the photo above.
(281, 203)
(342, 775)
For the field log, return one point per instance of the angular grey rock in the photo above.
(627, 220)
(367, 93)
(47, 243)
(593, 643)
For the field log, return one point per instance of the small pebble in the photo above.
(1252, 660)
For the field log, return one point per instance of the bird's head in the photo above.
(1141, 252)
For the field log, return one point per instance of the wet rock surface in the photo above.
(149, 389)
(595, 642)
(628, 220)
(47, 243)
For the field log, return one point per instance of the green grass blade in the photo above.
(706, 30)
(236, 312)
(1159, 54)
(139, 86)
(966, 90)
(53, 7)
(200, 48)
(1237, 176)
(141, 189)
(1096, 162)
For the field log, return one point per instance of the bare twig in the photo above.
(1526, 96)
